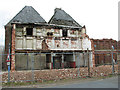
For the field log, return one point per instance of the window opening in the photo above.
(29, 31)
(64, 33)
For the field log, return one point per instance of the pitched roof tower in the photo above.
(60, 17)
(27, 15)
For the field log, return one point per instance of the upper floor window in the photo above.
(64, 33)
(29, 31)
(49, 33)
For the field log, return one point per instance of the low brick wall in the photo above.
(57, 74)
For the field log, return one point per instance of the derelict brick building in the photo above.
(29, 33)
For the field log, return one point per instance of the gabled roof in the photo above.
(28, 15)
(60, 17)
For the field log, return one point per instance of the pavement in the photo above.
(110, 82)
(102, 83)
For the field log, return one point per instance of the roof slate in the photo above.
(28, 15)
(60, 17)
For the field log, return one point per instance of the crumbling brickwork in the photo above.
(8, 35)
(13, 49)
(57, 74)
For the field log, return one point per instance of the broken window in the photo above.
(64, 33)
(29, 31)
(49, 33)
(73, 32)
(18, 31)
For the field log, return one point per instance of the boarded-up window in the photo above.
(29, 44)
(18, 44)
(21, 62)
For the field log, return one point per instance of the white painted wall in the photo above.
(79, 44)
(34, 42)
(86, 43)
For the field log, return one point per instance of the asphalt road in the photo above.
(110, 82)
(102, 83)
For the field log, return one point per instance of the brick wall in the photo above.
(118, 45)
(57, 74)
(104, 44)
(7, 41)
(104, 57)
(13, 49)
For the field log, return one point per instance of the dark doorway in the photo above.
(57, 63)
(64, 33)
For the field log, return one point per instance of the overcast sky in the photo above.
(99, 16)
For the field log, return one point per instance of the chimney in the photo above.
(56, 9)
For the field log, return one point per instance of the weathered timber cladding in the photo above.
(25, 61)
(39, 39)
(35, 41)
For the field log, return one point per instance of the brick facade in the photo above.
(118, 45)
(104, 44)
(102, 49)
(7, 41)
(13, 49)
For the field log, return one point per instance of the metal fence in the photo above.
(1, 52)
(29, 65)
